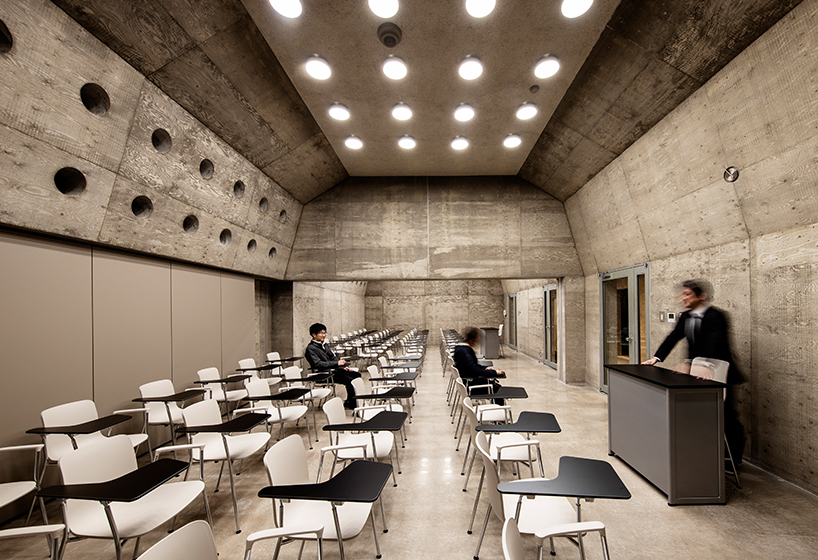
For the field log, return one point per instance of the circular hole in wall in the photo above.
(69, 181)
(238, 189)
(282, 216)
(251, 246)
(190, 224)
(272, 253)
(206, 169)
(6, 40)
(161, 140)
(225, 236)
(95, 98)
(262, 204)
(141, 206)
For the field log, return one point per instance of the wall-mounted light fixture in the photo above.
(730, 174)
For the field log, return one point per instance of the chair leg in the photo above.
(482, 533)
(604, 540)
(374, 533)
(732, 463)
(476, 500)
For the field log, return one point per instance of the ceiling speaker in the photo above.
(389, 34)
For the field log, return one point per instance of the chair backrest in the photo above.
(373, 371)
(334, 409)
(257, 387)
(202, 413)
(358, 385)
(500, 334)
(286, 462)
(710, 368)
(101, 461)
(211, 374)
(292, 373)
(491, 481)
(194, 541)
(471, 414)
(512, 540)
(161, 388)
(68, 414)
(273, 356)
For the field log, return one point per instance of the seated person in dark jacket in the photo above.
(470, 370)
(322, 359)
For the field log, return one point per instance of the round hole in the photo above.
(69, 181)
(95, 99)
(141, 206)
(272, 253)
(262, 204)
(251, 246)
(6, 40)
(282, 216)
(225, 236)
(191, 224)
(238, 189)
(161, 140)
(206, 169)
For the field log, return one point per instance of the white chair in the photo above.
(216, 390)
(349, 446)
(258, 388)
(275, 357)
(292, 379)
(286, 464)
(218, 446)
(500, 339)
(54, 533)
(106, 460)
(248, 364)
(162, 413)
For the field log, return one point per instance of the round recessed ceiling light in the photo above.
(353, 142)
(384, 8)
(575, 8)
(512, 141)
(464, 112)
(547, 66)
(318, 68)
(287, 8)
(470, 68)
(394, 68)
(480, 8)
(402, 112)
(338, 112)
(407, 142)
(460, 143)
(526, 111)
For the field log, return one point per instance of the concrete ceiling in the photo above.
(238, 68)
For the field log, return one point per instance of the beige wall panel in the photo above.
(45, 331)
(485, 310)
(785, 248)
(30, 199)
(621, 246)
(523, 312)
(197, 319)
(52, 58)
(447, 312)
(373, 311)
(592, 331)
(282, 326)
(238, 320)
(338, 305)
(405, 312)
(132, 328)
(606, 200)
(582, 238)
(571, 353)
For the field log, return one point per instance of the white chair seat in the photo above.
(318, 394)
(240, 446)
(351, 516)
(542, 511)
(12, 491)
(371, 412)
(490, 414)
(383, 445)
(521, 453)
(88, 519)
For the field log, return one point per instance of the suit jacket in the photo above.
(320, 357)
(711, 341)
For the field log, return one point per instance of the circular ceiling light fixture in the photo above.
(394, 68)
(512, 141)
(353, 142)
(407, 142)
(547, 66)
(287, 8)
(470, 68)
(480, 8)
(402, 112)
(318, 68)
(575, 8)
(464, 112)
(526, 111)
(384, 8)
(338, 112)
(460, 143)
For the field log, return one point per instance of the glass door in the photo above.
(550, 310)
(623, 297)
(512, 321)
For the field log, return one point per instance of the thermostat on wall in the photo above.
(671, 317)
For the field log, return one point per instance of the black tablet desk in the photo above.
(180, 397)
(384, 421)
(527, 422)
(84, 428)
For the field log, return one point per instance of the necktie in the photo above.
(692, 328)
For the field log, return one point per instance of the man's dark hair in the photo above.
(470, 334)
(698, 287)
(316, 328)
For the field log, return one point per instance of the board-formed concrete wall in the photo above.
(338, 305)
(417, 228)
(93, 151)
(664, 201)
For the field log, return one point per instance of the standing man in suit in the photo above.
(706, 331)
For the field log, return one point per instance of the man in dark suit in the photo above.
(322, 359)
(706, 331)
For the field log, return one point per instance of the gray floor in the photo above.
(428, 513)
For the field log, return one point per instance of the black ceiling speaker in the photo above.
(389, 34)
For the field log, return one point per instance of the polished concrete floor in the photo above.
(428, 513)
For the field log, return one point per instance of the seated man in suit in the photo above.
(322, 359)
(470, 370)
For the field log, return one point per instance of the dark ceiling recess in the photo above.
(389, 34)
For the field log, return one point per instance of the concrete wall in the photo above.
(338, 305)
(417, 228)
(664, 201)
(433, 304)
(45, 127)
